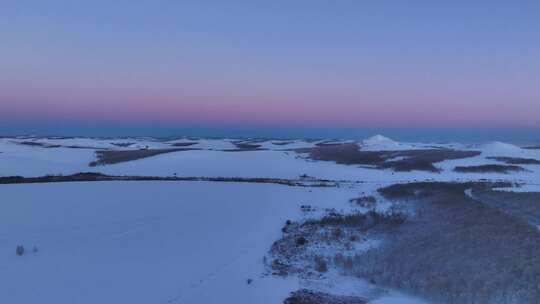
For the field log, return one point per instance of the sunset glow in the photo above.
(307, 63)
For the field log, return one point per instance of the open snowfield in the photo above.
(189, 242)
(146, 242)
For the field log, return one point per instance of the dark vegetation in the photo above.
(123, 145)
(343, 154)
(298, 250)
(364, 201)
(489, 169)
(255, 140)
(532, 147)
(305, 296)
(84, 147)
(328, 143)
(184, 144)
(320, 264)
(420, 190)
(107, 157)
(301, 241)
(92, 177)
(524, 205)
(516, 160)
(20, 250)
(245, 146)
(360, 221)
(350, 154)
(46, 145)
(455, 249)
(38, 144)
(282, 143)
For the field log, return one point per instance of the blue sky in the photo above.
(270, 64)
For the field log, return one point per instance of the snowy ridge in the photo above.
(382, 143)
(498, 148)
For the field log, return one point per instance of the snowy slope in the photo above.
(24, 160)
(382, 143)
(505, 149)
(146, 242)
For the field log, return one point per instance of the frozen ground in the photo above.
(185, 242)
(148, 242)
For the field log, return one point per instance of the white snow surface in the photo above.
(500, 149)
(382, 143)
(182, 242)
(23, 160)
(147, 242)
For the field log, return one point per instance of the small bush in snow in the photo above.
(301, 241)
(19, 250)
(364, 201)
(320, 264)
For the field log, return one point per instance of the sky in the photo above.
(105, 66)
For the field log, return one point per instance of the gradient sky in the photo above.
(441, 64)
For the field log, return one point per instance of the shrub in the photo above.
(305, 296)
(337, 233)
(19, 250)
(488, 169)
(320, 264)
(301, 241)
(364, 201)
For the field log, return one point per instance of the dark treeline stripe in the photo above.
(91, 177)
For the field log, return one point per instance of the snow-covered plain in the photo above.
(148, 242)
(182, 242)
(145, 242)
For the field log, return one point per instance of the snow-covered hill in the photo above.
(383, 143)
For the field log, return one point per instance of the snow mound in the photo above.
(382, 143)
(500, 148)
(497, 145)
(379, 139)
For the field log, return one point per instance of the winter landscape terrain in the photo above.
(194, 220)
